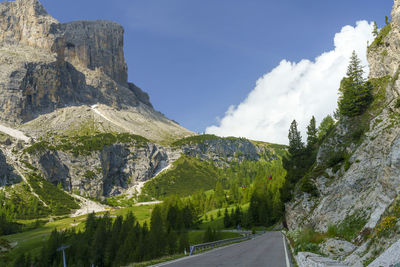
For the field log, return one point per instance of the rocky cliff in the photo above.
(223, 150)
(46, 65)
(362, 185)
(7, 173)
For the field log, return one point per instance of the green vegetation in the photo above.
(36, 233)
(349, 228)
(20, 203)
(387, 225)
(198, 237)
(306, 239)
(381, 36)
(355, 94)
(379, 91)
(186, 177)
(198, 139)
(299, 161)
(89, 174)
(4, 137)
(108, 242)
(120, 201)
(397, 105)
(84, 145)
(375, 30)
(325, 127)
(55, 198)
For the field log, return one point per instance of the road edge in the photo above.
(288, 257)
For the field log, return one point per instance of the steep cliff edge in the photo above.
(46, 65)
(358, 166)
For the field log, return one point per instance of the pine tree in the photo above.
(355, 70)
(386, 20)
(312, 134)
(157, 233)
(295, 143)
(355, 94)
(183, 241)
(227, 219)
(375, 30)
(219, 194)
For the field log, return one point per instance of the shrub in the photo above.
(397, 105)
(306, 239)
(336, 158)
(308, 186)
(386, 225)
(351, 226)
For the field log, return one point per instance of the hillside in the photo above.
(76, 137)
(355, 210)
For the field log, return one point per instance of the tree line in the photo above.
(108, 242)
(355, 96)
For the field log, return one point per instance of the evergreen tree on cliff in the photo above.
(296, 145)
(292, 162)
(312, 132)
(355, 94)
(375, 30)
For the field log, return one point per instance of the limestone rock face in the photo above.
(7, 173)
(96, 44)
(109, 172)
(223, 148)
(46, 65)
(27, 22)
(368, 184)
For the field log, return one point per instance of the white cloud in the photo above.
(295, 91)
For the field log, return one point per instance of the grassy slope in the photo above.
(218, 222)
(187, 176)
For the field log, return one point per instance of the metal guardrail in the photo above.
(200, 247)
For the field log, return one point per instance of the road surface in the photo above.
(267, 250)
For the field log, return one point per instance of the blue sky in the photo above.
(197, 58)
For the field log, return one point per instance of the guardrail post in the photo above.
(191, 250)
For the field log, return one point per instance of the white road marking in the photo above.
(286, 253)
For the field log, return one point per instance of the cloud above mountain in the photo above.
(295, 91)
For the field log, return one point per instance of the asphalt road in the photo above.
(266, 250)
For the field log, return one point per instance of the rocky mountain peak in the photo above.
(47, 66)
(396, 8)
(27, 22)
(80, 62)
(33, 5)
(96, 44)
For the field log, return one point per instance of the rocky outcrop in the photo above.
(366, 183)
(223, 149)
(109, 172)
(306, 259)
(46, 66)
(27, 22)
(96, 44)
(7, 174)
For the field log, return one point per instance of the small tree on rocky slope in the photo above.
(355, 94)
